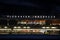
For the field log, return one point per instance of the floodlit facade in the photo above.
(13, 24)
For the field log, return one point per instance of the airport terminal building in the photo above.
(29, 24)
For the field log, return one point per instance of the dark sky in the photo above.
(29, 7)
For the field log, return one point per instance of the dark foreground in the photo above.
(32, 36)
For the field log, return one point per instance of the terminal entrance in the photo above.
(35, 24)
(30, 31)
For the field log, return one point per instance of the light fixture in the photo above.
(47, 27)
(15, 27)
(50, 24)
(28, 16)
(0, 27)
(12, 16)
(59, 24)
(48, 16)
(18, 16)
(40, 16)
(21, 16)
(24, 27)
(25, 16)
(18, 27)
(28, 27)
(5, 27)
(53, 27)
(43, 16)
(8, 16)
(54, 16)
(43, 27)
(15, 16)
(51, 16)
(54, 24)
(35, 16)
(24, 22)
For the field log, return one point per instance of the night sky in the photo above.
(29, 7)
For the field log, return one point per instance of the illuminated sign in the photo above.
(8, 16)
(41, 22)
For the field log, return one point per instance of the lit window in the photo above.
(43, 27)
(28, 27)
(8, 16)
(37, 23)
(38, 16)
(50, 24)
(53, 27)
(34, 22)
(41, 22)
(19, 22)
(12, 16)
(35, 16)
(42, 31)
(31, 22)
(25, 16)
(24, 22)
(0, 27)
(53, 16)
(43, 16)
(5, 27)
(28, 16)
(15, 16)
(47, 27)
(7, 23)
(59, 24)
(48, 16)
(18, 16)
(24, 27)
(54, 24)
(21, 16)
(15, 27)
(19, 27)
